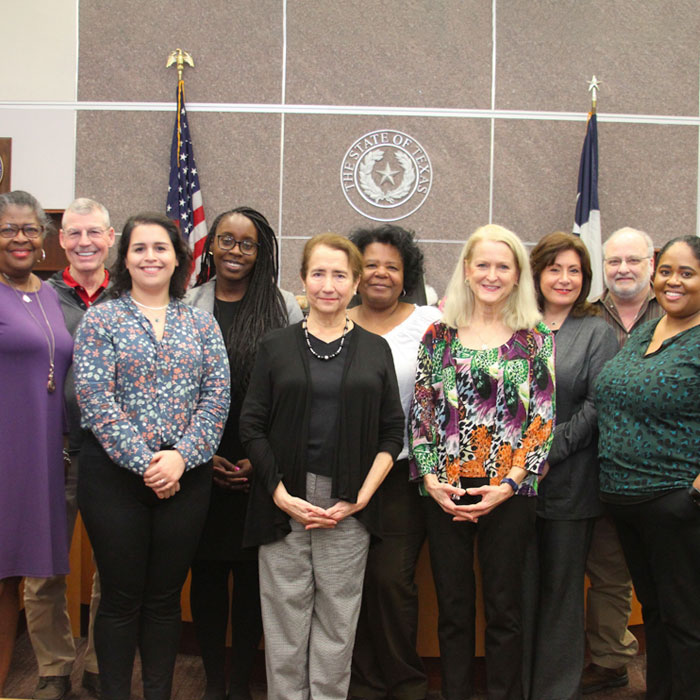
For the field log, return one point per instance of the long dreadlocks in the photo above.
(262, 308)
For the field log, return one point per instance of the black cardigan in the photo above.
(275, 421)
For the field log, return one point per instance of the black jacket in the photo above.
(275, 420)
(73, 308)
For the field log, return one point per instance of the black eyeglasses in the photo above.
(29, 230)
(246, 246)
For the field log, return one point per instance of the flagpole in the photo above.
(184, 201)
(593, 87)
(587, 214)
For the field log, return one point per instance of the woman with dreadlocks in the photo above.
(241, 250)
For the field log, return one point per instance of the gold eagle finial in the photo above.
(179, 58)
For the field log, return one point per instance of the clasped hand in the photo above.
(310, 516)
(445, 495)
(232, 476)
(164, 472)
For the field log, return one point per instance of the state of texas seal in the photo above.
(386, 175)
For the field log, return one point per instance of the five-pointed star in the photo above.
(387, 174)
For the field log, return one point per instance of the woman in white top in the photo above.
(385, 660)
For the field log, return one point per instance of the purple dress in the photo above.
(33, 539)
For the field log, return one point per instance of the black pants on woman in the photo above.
(209, 599)
(385, 662)
(661, 541)
(143, 548)
(502, 537)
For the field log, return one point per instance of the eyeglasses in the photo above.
(29, 230)
(76, 234)
(630, 262)
(246, 246)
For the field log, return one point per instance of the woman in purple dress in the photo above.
(35, 353)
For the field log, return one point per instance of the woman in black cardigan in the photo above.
(322, 424)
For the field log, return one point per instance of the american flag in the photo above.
(184, 204)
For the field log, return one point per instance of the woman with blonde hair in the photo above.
(480, 430)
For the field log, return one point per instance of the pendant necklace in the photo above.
(304, 325)
(158, 319)
(50, 338)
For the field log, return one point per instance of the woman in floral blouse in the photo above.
(152, 382)
(480, 430)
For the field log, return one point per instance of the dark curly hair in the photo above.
(121, 279)
(401, 239)
(692, 241)
(544, 254)
(262, 308)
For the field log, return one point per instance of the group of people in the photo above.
(220, 429)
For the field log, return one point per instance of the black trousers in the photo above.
(143, 548)
(503, 536)
(560, 641)
(385, 662)
(661, 541)
(209, 598)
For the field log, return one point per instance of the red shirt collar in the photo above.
(82, 293)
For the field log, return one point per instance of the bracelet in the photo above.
(66, 455)
(511, 482)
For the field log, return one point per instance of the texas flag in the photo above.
(587, 219)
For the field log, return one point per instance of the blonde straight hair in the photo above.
(520, 311)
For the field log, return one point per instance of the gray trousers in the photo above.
(46, 607)
(310, 591)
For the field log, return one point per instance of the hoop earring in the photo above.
(43, 255)
(403, 292)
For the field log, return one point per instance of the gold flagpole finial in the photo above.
(179, 58)
(593, 87)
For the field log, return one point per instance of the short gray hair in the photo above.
(629, 229)
(20, 198)
(83, 205)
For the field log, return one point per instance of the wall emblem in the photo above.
(386, 175)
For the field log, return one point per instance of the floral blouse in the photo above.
(477, 413)
(137, 393)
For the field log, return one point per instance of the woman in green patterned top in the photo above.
(480, 430)
(649, 423)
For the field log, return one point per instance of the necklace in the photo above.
(157, 319)
(304, 325)
(152, 308)
(484, 344)
(50, 338)
(24, 296)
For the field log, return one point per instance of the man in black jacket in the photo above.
(86, 237)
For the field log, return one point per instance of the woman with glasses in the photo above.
(241, 251)
(152, 381)
(35, 353)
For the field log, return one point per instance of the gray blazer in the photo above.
(203, 298)
(570, 490)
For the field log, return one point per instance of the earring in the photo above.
(43, 255)
(403, 292)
